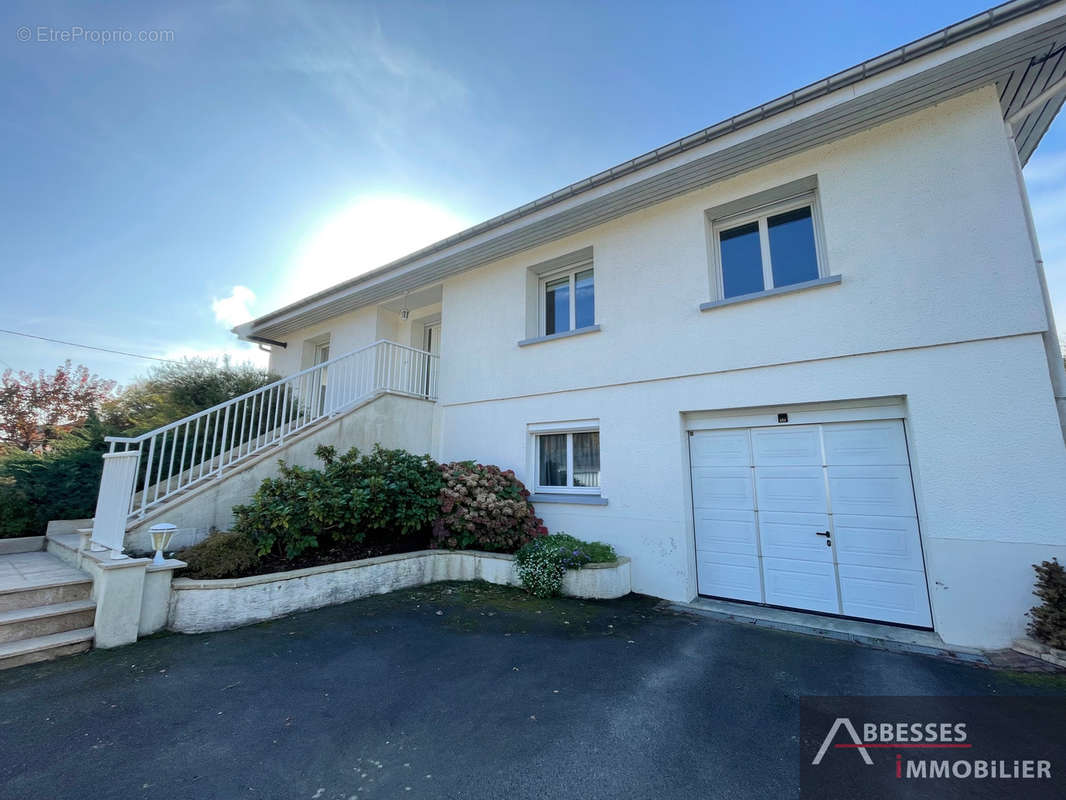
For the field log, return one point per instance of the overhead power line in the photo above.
(89, 347)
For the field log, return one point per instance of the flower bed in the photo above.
(197, 606)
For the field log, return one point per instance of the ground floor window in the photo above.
(569, 462)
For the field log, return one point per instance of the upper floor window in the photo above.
(560, 298)
(769, 241)
(568, 300)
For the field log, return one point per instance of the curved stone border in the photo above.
(214, 605)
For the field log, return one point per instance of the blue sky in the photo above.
(272, 146)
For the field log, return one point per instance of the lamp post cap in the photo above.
(162, 527)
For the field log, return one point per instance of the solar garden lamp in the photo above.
(161, 536)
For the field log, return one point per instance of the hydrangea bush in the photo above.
(391, 494)
(484, 508)
(541, 563)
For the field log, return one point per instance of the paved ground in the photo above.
(451, 691)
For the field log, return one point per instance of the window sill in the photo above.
(575, 499)
(832, 280)
(563, 335)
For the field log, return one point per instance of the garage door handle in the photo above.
(822, 533)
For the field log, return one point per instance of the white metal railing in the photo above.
(200, 447)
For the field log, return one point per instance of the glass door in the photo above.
(431, 344)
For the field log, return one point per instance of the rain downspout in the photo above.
(1052, 348)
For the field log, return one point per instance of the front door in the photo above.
(813, 517)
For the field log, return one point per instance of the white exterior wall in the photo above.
(987, 458)
(922, 219)
(346, 333)
(939, 304)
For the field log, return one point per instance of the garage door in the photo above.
(812, 517)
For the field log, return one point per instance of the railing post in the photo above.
(113, 502)
(284, 412)
(147, 473)
(225, 428)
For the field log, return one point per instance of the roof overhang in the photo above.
(1018, 46)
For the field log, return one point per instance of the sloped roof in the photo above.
(1019, 46)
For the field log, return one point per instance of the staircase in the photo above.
(161, 467)
(45, 609)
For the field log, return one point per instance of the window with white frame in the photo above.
(567, 300)
(567, 461)
(768, 247)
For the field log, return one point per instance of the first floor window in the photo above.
(568, 301)
(768, 248)
(569, 462)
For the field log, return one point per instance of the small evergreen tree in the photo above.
(1047, 622)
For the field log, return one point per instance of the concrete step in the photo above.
(28, 580)
(61, 591)
(28, 623)
(45, 648)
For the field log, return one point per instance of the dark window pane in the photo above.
(557, 306)
(584, 299)
(587, 459)
(552, 457)
(741, 260)
(792, 254)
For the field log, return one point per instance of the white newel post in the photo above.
(113, 503)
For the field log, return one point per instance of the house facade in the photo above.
(804, 358)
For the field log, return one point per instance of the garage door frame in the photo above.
(871, 409)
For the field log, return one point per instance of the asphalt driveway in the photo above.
(449, 691)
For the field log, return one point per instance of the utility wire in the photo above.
(89, 347)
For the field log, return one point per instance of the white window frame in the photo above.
(320, 348)
(761, 214)
(551, 277)
(569, 429)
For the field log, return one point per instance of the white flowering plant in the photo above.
(542, 562)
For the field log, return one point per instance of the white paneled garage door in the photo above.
(814, 517)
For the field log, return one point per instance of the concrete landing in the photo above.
(872, 634)
(24, 571)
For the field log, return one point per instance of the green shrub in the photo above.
(542, 562)
(220, 555)
(484, 508)
(1047, 621)
(60, 484)
(17, 516)
(582, 552)
(391, 493)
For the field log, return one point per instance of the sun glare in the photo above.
(367, 234)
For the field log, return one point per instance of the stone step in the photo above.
(45, 648)
(44, 594)
(28, 623)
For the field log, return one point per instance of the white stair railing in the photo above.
(202, 446)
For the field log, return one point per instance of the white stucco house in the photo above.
(802, 358)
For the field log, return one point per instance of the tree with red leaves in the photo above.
(37, 410)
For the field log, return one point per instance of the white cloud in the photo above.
(235, 309)
(387, 88)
